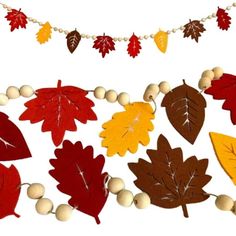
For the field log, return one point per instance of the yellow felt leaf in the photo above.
(225, 149)
(161, 40)
(44, 34)
(127, 129)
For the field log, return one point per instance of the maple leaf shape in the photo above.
(223, 19)
(104, 44)
(73, 39)
(9, 190)
(185, 108)
(194, 29)
(134, 46)
(17, 19)
(44, 34)
(224, 88)
(128, 128)
(79, 175)
(58, 107)
(168, 180)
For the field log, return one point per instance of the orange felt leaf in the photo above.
(128, 128)
(44, 34)
(161, 40)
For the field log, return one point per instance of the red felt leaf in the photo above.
(104, 44)
(12, 142)
(134, 46)
(223, 19)
(9, 190)
(57, 108)
(17, 19)
(79, 175)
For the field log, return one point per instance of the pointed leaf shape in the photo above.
(17, 19)
(44, 34)
(161, 40)
(128, 128)
(12, 142)
(194, 29)
(57, 108)
(73, 39)
(223, 19)
(9, 190)
(168, 180)
(185, 109)
(134, 46)
(80, 176)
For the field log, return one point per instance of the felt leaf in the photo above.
(127, 129)
(73, 39)
(134, 46)
(104, 44)
(57, 108)
(224, 89)
(161, 40)
(185, 109)
(44, 34)
(194, 29)
(223, 19)
(9, 190)
(12, 142)
(17, 19)
(168, 180)
(225, 150)
(80, 176)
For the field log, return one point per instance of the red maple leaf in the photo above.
(79, 175)
(58, 107)
(17, 19)
(134, 46)
(223, 19)
(104, 44)
(9, 190)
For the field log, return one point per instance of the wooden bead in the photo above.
(125, 198)
(142, 200)
(234, 208)
(44, 206)
(63, 212)
(208, 73)
(164, 87)
(224, 203)
(123, 99)
(35, 191)
(26, 91)
(115, 185)
(204, 83)
(218, 72)
(99, 92)
(111, 96)
(3, 99)
(12, 92)
(151, 92)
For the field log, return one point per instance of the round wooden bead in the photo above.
(125, 198)
(151, 92)
(115, 185)
(111, 96)
(218, 72)
(35, 191)
(3, 99)
(208, 73)
(123, 99)
(164, 87)
(12, 92)
(44, 206)
(224, 203)
(142, 200)
(26, 91)
(63, 212)
(204, 83)
(99, 92)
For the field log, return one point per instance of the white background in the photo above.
(24, 61)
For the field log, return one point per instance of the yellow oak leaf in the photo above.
(225, 149)
(44, 34)
(128, 128)
(161, 40)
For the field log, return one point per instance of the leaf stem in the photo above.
(59, 84)
(185, 210)
(97, 220)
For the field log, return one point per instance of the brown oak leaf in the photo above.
(194, 29)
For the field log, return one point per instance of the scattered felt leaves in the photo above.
(161, 40)
(194, 29)
(73, 39)
(104, 44)
(134, 46)
(223, 19)
(44, 34)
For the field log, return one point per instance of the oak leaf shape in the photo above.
(194, 29)
(134, 46)
(44, 33)
(73, 40)
(223, 19)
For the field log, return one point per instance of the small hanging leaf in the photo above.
(223, 19)
(134, 46)
(194, 29)
(73, 39)
(161, 40)
(44, 34)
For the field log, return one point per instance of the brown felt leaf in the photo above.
(185, 108)
(73, 39)
(168, 180)
(194, 29)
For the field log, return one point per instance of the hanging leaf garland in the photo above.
(223, 19)
(73, 40)
(44, 34)
(134, 46)
(193, 29)
(161, 40)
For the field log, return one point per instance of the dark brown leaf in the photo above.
(194, 29)
(73, 39)
(168, 180)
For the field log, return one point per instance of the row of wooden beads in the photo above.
(225, 203)
(125, 197)
(13, 92)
